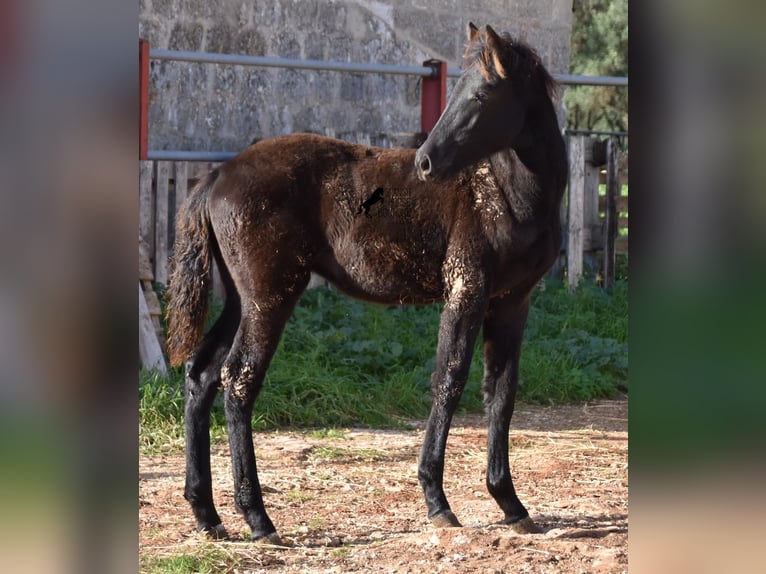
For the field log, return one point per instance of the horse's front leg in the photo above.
(458, 329)
(503, 332)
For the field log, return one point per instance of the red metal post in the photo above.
(434, 95)
(143, 86)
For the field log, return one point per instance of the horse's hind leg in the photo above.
(503, 331)
(203, 377)
(265, 312)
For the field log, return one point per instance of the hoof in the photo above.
(217, 532)
(272, 539)
(525, 526)
(446, 519)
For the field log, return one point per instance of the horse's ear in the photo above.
(496, 48)
(493, 39)
(473, 32)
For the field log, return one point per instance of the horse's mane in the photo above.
(525, 61)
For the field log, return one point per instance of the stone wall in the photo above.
(223, 108)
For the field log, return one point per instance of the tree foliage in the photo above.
(599, 47)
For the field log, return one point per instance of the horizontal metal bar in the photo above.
(176, 155)
(293, 63)
(569, 79)
(337, 66)
(575, 80)
(596, 133)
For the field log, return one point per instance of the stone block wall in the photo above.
(223, 108)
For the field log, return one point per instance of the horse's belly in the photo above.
(385, 271)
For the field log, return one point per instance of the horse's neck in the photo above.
(524, 190)
(533, 176)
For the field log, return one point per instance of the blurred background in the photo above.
(697, 310)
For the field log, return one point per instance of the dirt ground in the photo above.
(350, 501)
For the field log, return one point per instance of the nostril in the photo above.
(425, 165)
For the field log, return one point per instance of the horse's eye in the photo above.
(480, 97)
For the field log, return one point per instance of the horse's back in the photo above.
(291, 153)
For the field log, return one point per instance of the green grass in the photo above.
(161, 409)
(344, 363)
(575, 345)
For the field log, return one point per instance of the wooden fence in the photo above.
(163, 185)
(595, 222)
(592, 221)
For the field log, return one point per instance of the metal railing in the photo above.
(338, 66)
(288, 63)
(433, 99)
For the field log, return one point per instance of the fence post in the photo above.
(595, 157)
(161, 223)
(143, 87)
(610, 211)
(146, 208)
(433, 95)
(149, 349)
(575, 224)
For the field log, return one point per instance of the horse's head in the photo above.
(501, 81)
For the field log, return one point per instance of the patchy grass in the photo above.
(205, 559)
(344, 454)
(331, 433)
(300, 496)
